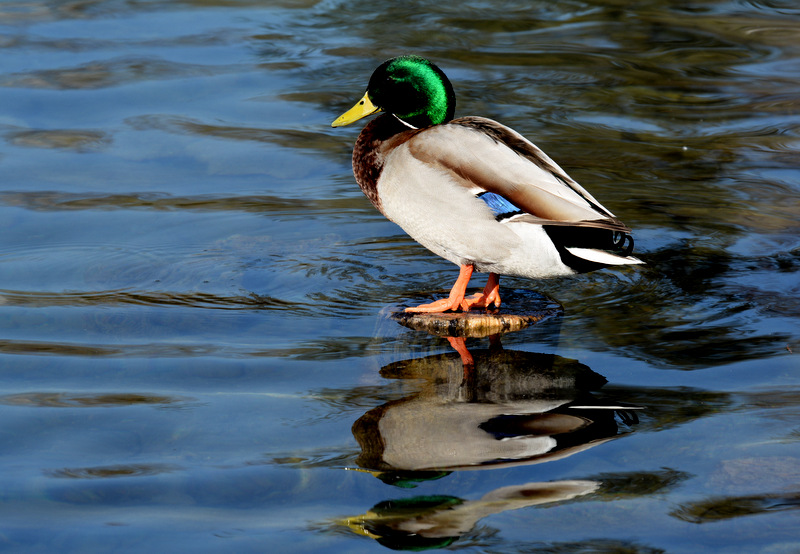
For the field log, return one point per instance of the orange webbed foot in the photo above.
(439, 306)
(457, 300)
(452, 302)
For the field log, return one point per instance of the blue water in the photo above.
(196, 348)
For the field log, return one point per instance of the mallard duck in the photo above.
(472, 190)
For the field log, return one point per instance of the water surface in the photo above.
(195, 348)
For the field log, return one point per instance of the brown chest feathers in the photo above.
(374, 143)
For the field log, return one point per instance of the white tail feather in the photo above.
(601, 257)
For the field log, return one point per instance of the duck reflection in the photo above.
(478, 409)
(507, 408)
(427, 522)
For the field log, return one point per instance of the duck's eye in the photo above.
(361, 103)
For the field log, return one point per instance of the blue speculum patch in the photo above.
(500, 206)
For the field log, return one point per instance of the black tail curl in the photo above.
(564, 236)
(620, 239)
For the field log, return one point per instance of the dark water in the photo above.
(195, 348)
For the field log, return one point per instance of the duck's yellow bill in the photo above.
(358, 525)
(364, 108)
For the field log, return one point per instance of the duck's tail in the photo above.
(585, 248)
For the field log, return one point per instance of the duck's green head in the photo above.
(409, 87)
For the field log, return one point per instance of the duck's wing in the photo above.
(485, 156)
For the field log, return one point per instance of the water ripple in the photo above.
(292, 138)
(177, 211)
(87, 400)
(109, 73)
(278, 205)
(114, 471)
(83, 140)
(142, 298)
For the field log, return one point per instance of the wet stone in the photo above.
(520, 309)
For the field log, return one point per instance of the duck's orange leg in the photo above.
(452, 302)
(489, 296)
